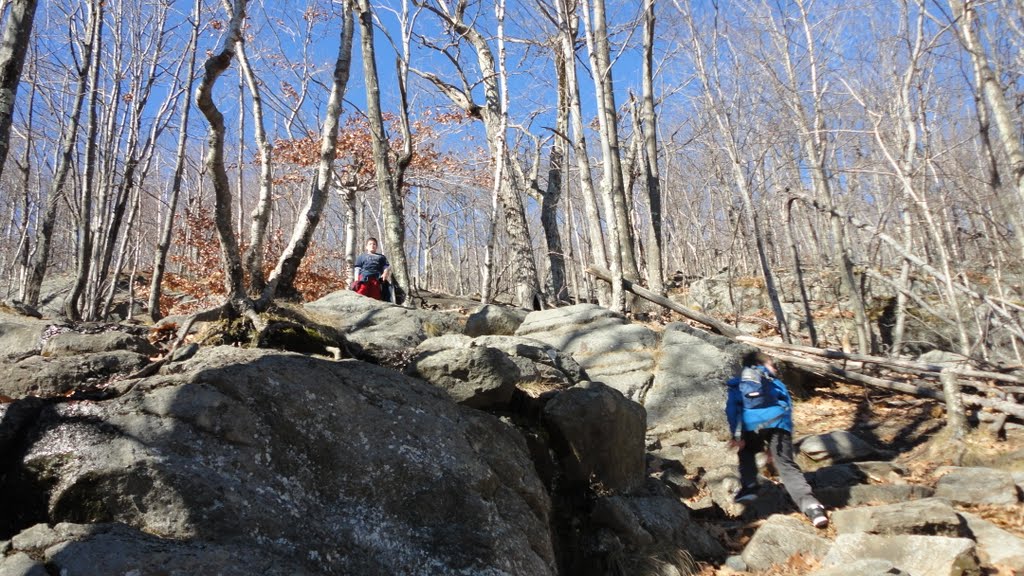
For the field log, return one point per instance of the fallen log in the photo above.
(896, 363)
(716, 325)
(786, 352)
(1004, 406)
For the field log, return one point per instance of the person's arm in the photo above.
(385, 273)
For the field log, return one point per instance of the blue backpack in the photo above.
(757, 389)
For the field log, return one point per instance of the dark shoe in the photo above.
(747, 493)
(817, 515)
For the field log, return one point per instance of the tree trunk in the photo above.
(85, 231)
(387, 184)
(511, 187)
(282, 279)
(655, 273)
(608, 122)
(44, 235)
(567, 42)
(260, 216)
(164, 244)
(215, 65)
(13, 48)
(995, 97)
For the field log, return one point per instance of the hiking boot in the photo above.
(817, 515)
(747, 493)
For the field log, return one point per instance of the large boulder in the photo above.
(779, 538)
(599, 436)
(478, 377)
(20, 335)
(928, 516)
(491, 319)
(51, 376)
(373, 326)
(911, 553)
(688, 392)
(977, 485)
(323, 467)
(611, 350)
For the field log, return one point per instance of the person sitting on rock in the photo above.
(760, 413)
(371, 271)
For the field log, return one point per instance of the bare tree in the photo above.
(69, 138)
(13, 48)
(388, 182)
(260, 216)
(214, 66)
(282, 279)
(490, 113)
(1002, 112)
(717, 105)
(567, 33)
(89, 179)
(652, 175)
(167, 227)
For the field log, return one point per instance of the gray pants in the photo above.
(779, 443)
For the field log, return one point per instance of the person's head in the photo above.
(371, 245)
(758, 358)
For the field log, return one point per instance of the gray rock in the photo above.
(837, 475)
(996, 546)
(599, 435)
(849, 474)
(41, 376)
(779, 538)
(837, 446)
(929, 517)
(736, 563)
(21, 564)
(310, 465)
(36, 538)
(105, 549)
(870, 567)
(372, 325)
(538, 363)
(912, 553)
(74, 343)
(976, 486)
(20, 335)
(669, 521)
(611, 350)
(479, 377)
(869, 494)
(688, 391)
(491, 319)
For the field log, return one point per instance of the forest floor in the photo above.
(908, 426)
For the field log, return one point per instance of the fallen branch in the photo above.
(717, 326)
(1004, 406)
(897, 363)
(788, 353)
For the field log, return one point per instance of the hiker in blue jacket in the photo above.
(760, 413)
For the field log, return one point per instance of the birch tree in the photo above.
(999, 107)
(282, 279)
(388, 181)
(69, 138)
(167, 226)
(13, 48)
(510, 186)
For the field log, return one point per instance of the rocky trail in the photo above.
(925, 487)
(454, 438)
